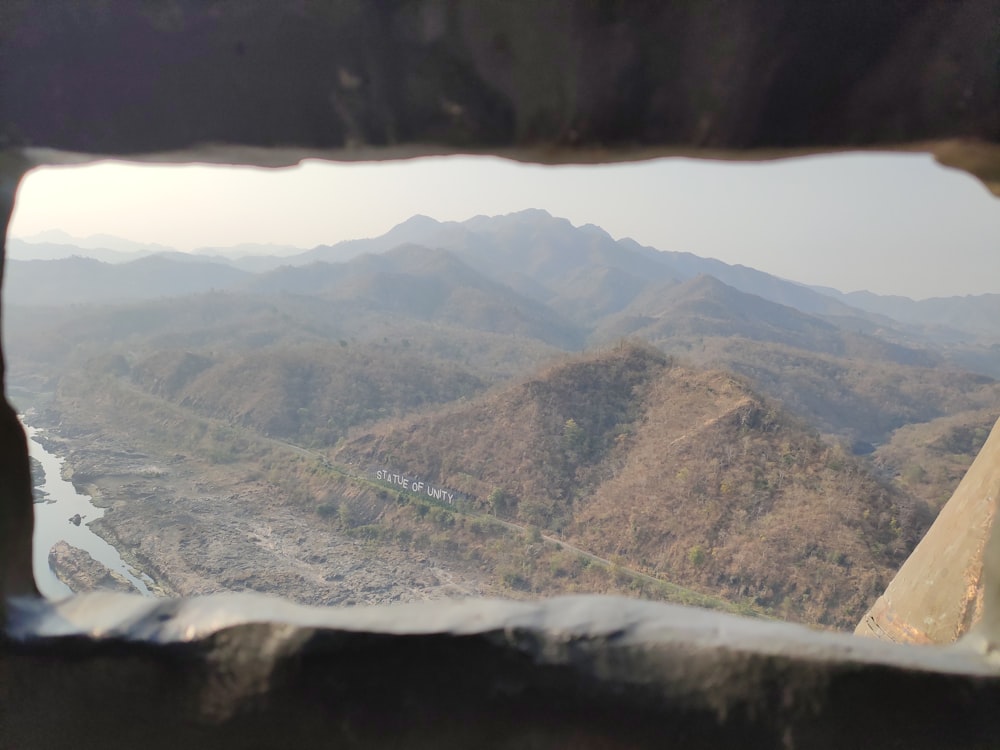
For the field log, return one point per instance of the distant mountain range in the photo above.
(579, 272)
(948, 316)
(56, 244)
(537, 283)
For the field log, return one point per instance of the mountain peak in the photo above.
(417, 229)
(418, 220)
(55, 236)
(532, 213)
(593, 229)
(414, 229)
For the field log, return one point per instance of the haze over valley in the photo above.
(507, 405)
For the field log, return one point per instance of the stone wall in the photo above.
(545, 80)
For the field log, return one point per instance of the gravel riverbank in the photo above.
(196, 529)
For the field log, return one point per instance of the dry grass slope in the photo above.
(685, 474)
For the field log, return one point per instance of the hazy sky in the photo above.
(891, 223)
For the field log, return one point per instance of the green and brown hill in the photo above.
(860, 396)
(929, 459)
(704, 307)
(421, 283)
(308, 394)
(685, 474)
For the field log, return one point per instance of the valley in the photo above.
(198, 529)
(605, 417)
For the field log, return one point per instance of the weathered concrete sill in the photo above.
(251, 671)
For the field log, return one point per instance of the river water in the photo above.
(52, 525)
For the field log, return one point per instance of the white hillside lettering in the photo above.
(416, 485)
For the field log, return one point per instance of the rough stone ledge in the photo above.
(252, 671)
(106, 615)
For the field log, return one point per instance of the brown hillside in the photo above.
(929, 460)
(310, 394)
(540, 442)
(859, 396)
(721, 492)
(685, 474)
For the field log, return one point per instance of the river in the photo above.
(52, 525)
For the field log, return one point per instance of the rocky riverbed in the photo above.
(82, 573)
(196, 529)
(37, 480)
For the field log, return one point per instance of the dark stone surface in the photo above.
(128, 77)
(581, 672)
(17, 514)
